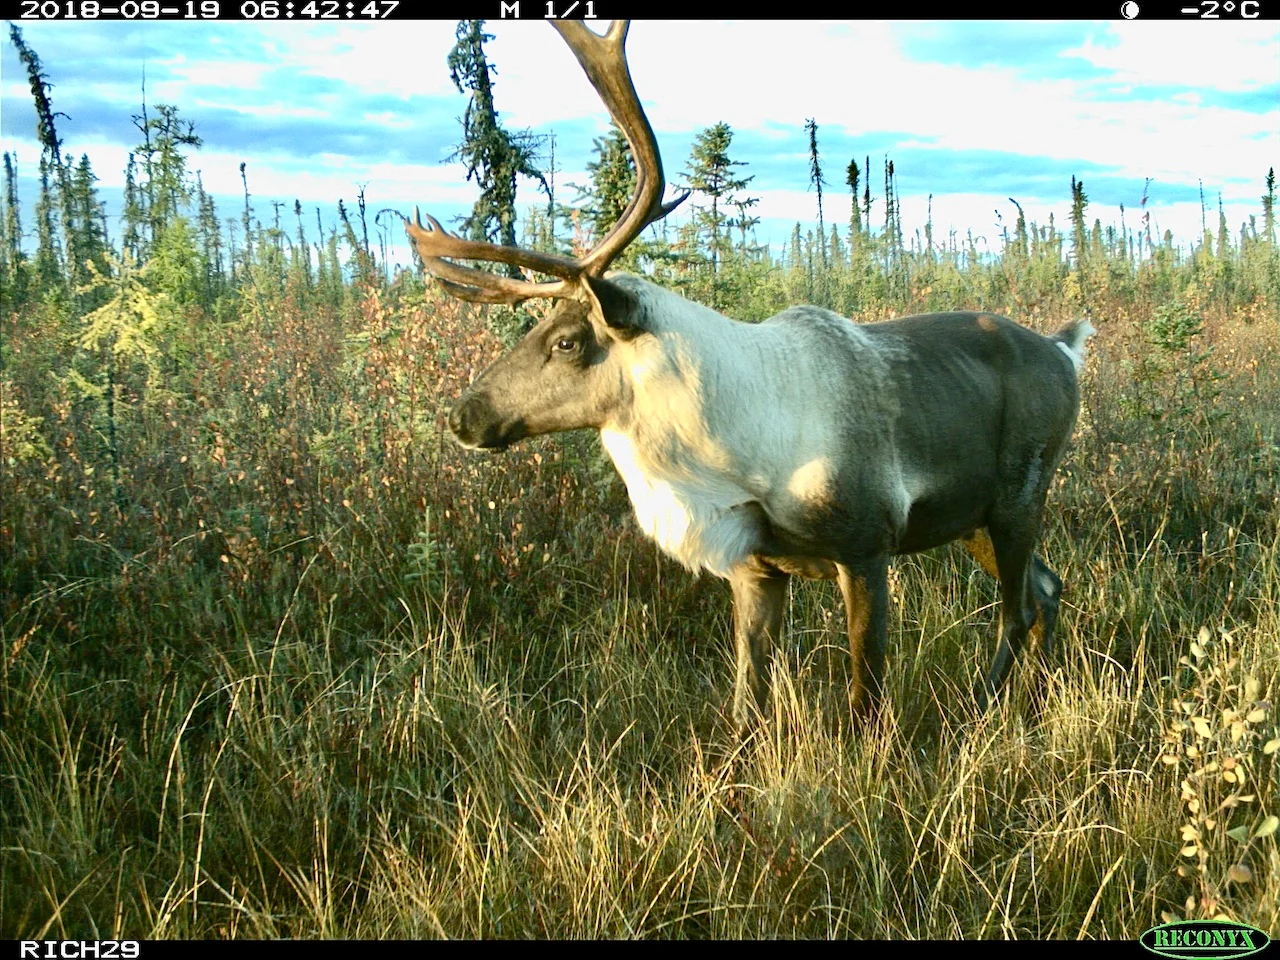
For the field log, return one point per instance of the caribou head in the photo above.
(562, 375)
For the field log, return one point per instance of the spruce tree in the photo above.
(613, 180)
(1224, 234)
(364, 263)
(743, 222)
(1021, 249)
(134, 216)
(866, 196)
(167, 166)
(1079, 201)
(55, 195)
(852, 173)
(711, 173)
(246, 221)
(301, 251)
(48, 262)
(493, 156)
(815, 178)
(86, 232)
(13, 278)
(210, 239)
(1269, 208)
(890, 230)
(46, 127)
(928, 230)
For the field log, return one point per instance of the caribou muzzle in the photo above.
(475, 423)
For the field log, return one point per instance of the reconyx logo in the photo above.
(1219, 939)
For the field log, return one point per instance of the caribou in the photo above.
(807, 445)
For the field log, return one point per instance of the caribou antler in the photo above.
(605, 62)
(468, 283)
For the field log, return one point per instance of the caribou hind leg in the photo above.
(1029, 596)
(1046, 587)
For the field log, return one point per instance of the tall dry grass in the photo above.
(309, 670)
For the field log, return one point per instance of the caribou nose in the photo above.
(470, 418)
(456, 419)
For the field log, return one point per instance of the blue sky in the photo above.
(972, 113)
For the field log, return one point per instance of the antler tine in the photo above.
(468, 283)
(480, 286)
(605, 62)
(665, 208)
(472, 294)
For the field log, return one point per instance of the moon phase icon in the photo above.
(1128, 9)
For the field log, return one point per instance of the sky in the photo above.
(971, 113)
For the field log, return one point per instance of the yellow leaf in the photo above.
(1256, 715)
(1239, 873)
(1202, 726)
(1169, 758)
(1190, 850)
(1228, 776)
(1270, 747)
(1268, 827)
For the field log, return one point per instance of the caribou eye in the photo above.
(566, 345)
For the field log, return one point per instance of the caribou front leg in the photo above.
(866, 603)
(759, 600)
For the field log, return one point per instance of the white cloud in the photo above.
(692, 74)
(404, 59)
(217, 74)
(1227, 55)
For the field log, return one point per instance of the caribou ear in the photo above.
(613, 305)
